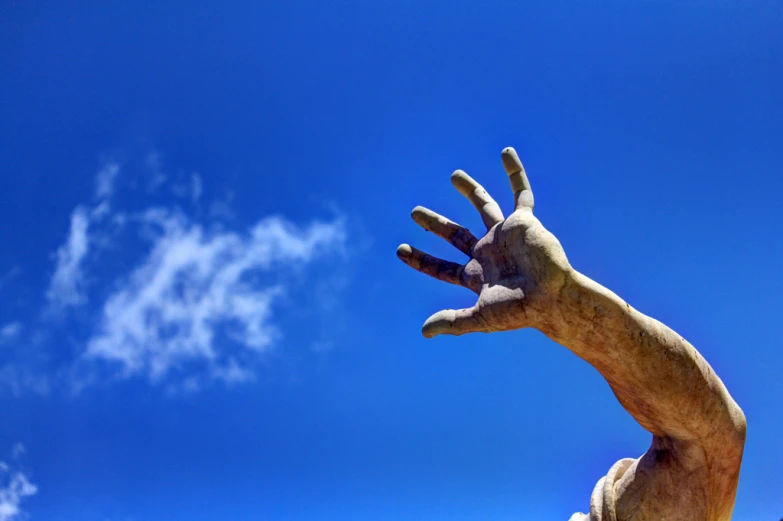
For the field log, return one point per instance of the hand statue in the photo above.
(523, 279)
(517, 268)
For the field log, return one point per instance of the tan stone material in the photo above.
(522, 278)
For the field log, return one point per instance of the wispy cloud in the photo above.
(188, 187)
(154, 164)
(202, 302)
(20, 378)
(195, 187)
(66, 287)
(170, 299)
(18, 451)
(14, 487)
(10, 331)
(104, 180)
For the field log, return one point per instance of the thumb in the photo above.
(455, 322)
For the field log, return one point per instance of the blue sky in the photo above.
(202, 316)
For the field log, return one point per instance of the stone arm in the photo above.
(523, 279)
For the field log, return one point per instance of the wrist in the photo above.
(587, 317)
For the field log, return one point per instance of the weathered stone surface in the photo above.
(523, 278)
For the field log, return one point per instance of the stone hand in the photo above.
(523, 279)
(518, 268)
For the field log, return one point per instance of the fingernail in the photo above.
(404, 251)
(511, 161)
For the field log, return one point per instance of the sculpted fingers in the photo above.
(475, 193)
(440, 269)
(457, 235)
(455, 322)
(523, 194)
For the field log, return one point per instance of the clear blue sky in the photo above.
(201, 313)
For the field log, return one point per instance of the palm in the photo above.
(514, 268)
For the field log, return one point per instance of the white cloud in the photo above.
(197, 292)
(223, 209)
(196, 187)
(66, 286)
(188, 187)
(232, 373)
(21, 377)
(104, 180)
(154, 164)
(14, 487)
(18, 451)
(10, 331)
(169, 299)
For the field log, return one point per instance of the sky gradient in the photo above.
(201, 313)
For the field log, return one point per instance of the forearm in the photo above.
(656, 374)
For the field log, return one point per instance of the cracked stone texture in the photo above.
(523, 278)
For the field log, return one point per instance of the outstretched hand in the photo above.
(518, 268)
(523, 279)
